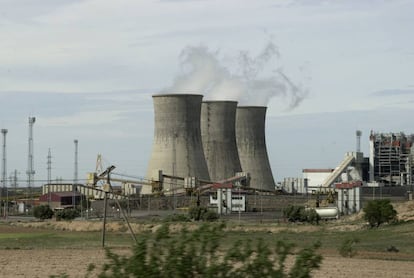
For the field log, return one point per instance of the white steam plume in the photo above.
(253, 81)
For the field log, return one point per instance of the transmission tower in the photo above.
(14, 180)
(49, 167)
(4, 173)
(30, 165)
(49, 175)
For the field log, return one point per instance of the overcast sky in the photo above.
(86, 69)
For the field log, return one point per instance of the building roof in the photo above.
(348, 185)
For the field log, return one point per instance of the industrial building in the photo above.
(391, 160)
(61, 200)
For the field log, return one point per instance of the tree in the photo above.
(43, 212)
(378, 212)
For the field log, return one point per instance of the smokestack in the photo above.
(219, 138)
(177, 148)
(251, 144)
(358, 134)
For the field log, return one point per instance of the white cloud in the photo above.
(85, 118)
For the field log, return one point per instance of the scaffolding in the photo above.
(392, 158)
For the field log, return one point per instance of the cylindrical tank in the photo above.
(251, 144)
(327, 212)
(219, 138)
(177, 148)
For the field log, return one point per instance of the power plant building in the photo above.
(391, 160)
(251, 145)
(218, 119)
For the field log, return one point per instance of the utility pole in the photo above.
(4, 173)
(30, 164)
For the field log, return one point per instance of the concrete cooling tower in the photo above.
(177, 148)
(219, 138)
(251, 144)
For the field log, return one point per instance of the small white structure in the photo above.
(130, 189)
(349, 197)
(315, 178)
(227, 202)
(294, 185)
(21, 207)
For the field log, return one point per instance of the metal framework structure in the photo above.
(75, 174)
(391, 160)
(49, 174)
(4, 171)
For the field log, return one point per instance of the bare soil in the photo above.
(43, 263)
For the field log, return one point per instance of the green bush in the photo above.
(198, 254)
(43, 212)
(210, 216)
(378, 212)
(347, 248)
(312, 216)
(202, 213)
(177, 218)
(67, 214)
(301, 214)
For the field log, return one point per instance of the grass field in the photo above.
(330, 234)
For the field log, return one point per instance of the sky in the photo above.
(86, 69)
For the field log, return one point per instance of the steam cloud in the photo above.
(250, 80)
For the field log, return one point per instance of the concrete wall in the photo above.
(315, 178)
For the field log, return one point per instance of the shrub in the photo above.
(210, 216)
(67, 214)
(198, 254)
(378, 212)
(301, 214)
(177, 218)
(312, 216)
(347, 247)
(196, 213)
(202, 213)
(43, 212)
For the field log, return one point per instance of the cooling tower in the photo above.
(219, 138)
(251, 144)
(177, 148)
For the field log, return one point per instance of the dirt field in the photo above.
(42, 263)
